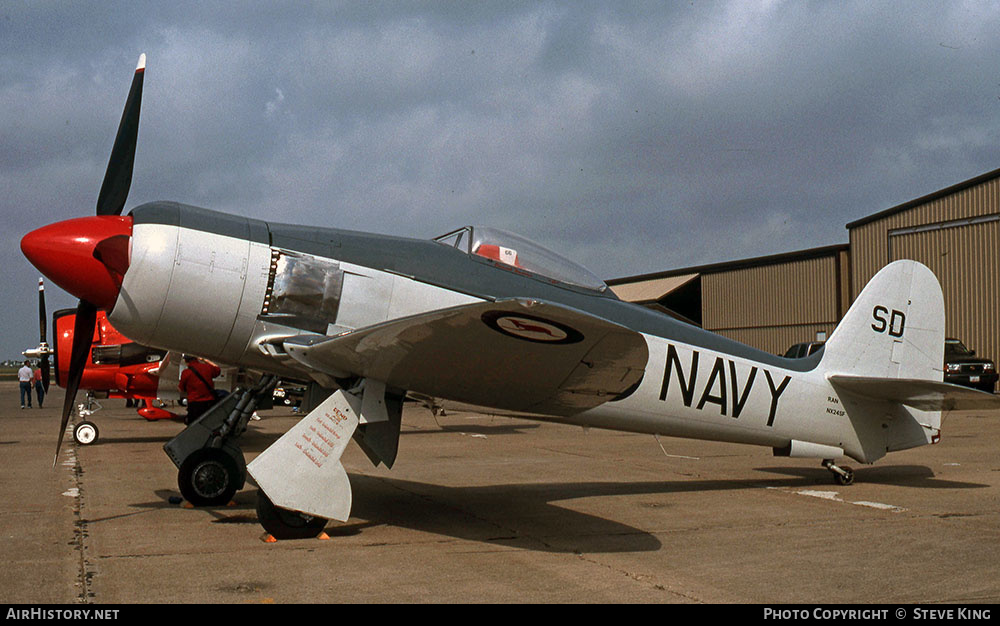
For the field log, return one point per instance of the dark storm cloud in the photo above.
(633, 137)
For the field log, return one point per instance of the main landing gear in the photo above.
(210, 477)
(210, 463)
(843, 475)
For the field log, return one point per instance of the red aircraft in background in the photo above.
(116, 367)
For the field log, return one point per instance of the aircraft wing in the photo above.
(520, 355)
(926, 395)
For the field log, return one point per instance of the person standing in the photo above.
(39, 387)
(24, 378)
(196, 384)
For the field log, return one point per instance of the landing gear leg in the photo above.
(207, 454)
(843, 475)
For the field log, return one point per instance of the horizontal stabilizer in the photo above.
(925, 395)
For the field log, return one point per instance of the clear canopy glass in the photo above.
(507, 248)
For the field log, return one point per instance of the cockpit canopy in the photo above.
(517, 251)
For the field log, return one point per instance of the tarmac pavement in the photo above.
(482, 509)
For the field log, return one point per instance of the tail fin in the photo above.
(888, 355)
(895, 328)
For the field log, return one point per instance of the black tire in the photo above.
(285, 524)
(85, 433)
(209, 477)
(847, 478)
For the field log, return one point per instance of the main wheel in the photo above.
(209, 477)
(285, 524)
(85, 433)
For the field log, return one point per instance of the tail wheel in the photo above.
(285, 524)
(85, 433)
(846, 478)
(209, 477)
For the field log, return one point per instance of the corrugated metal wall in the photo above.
(957, 235)
(774, 306)
(870, 241)
(772, 303)
(964, 258)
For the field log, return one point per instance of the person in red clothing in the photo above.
(196, 383)
(39, 386)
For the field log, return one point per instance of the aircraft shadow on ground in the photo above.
(529, 516)
(899, 475)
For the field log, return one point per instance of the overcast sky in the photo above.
(632, 137)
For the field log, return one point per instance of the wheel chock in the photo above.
(269, 538)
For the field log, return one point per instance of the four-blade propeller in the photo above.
(89, 256)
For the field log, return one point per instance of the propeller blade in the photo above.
(41, 310)
(83, 338)
(118, 177)
(46, 375)
(42, 321)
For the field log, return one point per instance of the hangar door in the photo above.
(965, 256)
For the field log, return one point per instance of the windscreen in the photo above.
(520, 252)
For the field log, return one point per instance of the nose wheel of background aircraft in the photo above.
(285, 524)
(843, 475)
(209, 477)
(85, 433)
